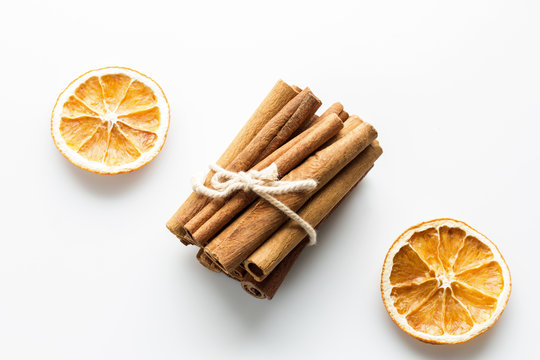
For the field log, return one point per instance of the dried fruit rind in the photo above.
(110, 120)
(444, 282)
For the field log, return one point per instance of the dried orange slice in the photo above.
(110, 120)
(443, 282)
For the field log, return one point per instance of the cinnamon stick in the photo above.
(303, 113)
(271, 136)
(236, 242)
(335, 108)
(304, 145)
(343, 115)
(351, 123)
(276, 99)
(275, 133)
(204, 260)
(348, 126)
(296, 111)
(268, 287)
(265, 259)
(207, 262)
(238, 274)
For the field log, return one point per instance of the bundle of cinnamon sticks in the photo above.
(243, 235)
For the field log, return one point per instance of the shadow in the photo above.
(468, 350)
(110, 185)
(225, 295)
(325, 232)
(249, 310)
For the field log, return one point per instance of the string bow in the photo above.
(264, 183)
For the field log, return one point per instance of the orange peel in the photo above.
(444, 282)
(111, 120)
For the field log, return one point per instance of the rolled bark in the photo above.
(207, 262)
(238, 274)
(352, 123)
(267, 288)
(265, 259)
(305, 111)
(335, 108)
(276, 99)
(296, 111)
(236, 242)
(274, 134)
(304, 145)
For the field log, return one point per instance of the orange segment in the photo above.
(138, 97)
(472, 254)
(95, 148)
(408, 267)
(444, 282)
(487, 278)
(450, 240)
(480, 306)
(426, 244)
(143, 120)
(114, 89)
(409, 297)
(74, 108)
(456, 318)
(76, 131)
(428, 318)
(121, 151)
(90, 93)
(143, 140)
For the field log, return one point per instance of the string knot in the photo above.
(264, 183)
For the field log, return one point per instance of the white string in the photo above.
(264, 183)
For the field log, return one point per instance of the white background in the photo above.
(87, 267)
